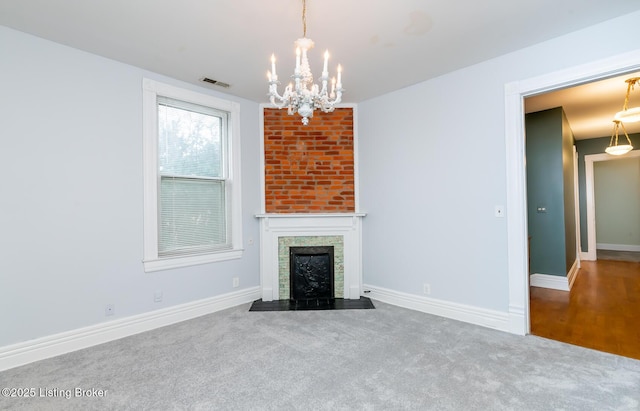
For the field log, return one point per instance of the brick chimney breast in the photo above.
(309, 169)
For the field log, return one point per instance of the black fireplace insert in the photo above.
(311, 273)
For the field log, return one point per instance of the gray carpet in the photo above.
(384, 359)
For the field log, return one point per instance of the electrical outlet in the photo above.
(427, 289)
(236, 282)
(109, 309)
(157, 296)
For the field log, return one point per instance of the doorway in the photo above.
(515, 92)
(591, 252)
(600, 312)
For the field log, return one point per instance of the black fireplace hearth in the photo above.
(306, 305)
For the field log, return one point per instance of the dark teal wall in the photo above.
(586, 147)
(545, 189)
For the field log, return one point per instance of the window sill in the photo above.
(182, 261)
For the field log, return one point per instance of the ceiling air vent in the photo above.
(215, 82)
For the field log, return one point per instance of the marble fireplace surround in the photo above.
(279, 231)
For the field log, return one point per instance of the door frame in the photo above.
(590, 189)
(576, 205)
(515, 92)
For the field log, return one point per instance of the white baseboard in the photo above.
(555, 282)
(587, 256)
(517, 324)
(474, 315)
(618, 247)
(50, 346)
(573, 273)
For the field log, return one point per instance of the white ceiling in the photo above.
(383, 45)
(590, 107)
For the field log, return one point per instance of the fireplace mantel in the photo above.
(346, 225)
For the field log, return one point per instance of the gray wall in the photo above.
(617, 202)
(71, 209)
(550, 186)
(430, 188)
(587, 147)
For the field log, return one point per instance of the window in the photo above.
(191, 168)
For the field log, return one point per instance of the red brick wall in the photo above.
(309, 169)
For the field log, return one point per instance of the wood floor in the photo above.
(602, 310)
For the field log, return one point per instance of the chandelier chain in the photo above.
(304, 18)
(614, 147)
(630, 87)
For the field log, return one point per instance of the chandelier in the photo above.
(303, 96)
(629, 115)
(614, 148)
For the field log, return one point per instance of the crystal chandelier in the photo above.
(303, 96)
(614, 148)
(629, 115)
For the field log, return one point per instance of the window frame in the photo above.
(152, 261)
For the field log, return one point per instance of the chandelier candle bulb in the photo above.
(273, 65)
(326, 61)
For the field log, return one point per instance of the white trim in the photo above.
(263, 194)
(515, 92)
(557, 282)
(356, 157)
(46, 347)
(590, 195)
(554, 282)
(576, 207)
(182, 261)
(517, 253)
(618, 247)
(480, 316)
(572, 275)
(151, 260)
(309, 215)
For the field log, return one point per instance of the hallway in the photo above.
(602, 310)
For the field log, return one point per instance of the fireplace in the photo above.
(311, 273)
(281, 232)
(310, 195)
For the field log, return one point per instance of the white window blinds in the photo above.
(192, 199)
